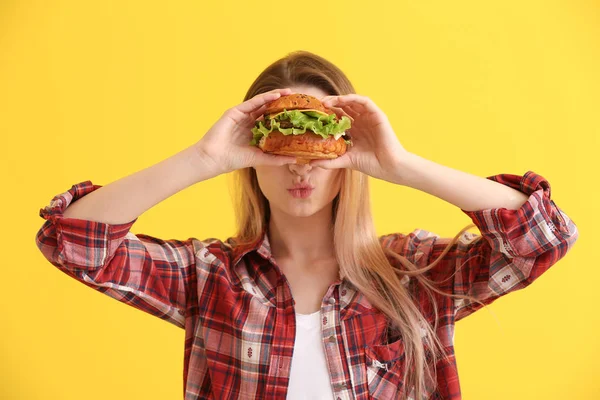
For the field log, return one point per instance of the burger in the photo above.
(299, 125)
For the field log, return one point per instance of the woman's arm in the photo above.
(515, 248)
(466, 191)
(87, 235)
(127, 198)
(523, 233)
(224, 148)
(87, 229)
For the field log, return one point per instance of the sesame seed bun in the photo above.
(296, 101)
(305, 146)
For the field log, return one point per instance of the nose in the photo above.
(300, 169)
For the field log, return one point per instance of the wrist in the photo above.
(404, 169)
(199, 165)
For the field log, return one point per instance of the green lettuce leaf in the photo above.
(324, 125)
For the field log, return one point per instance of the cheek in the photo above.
(270, 180)
(266, 186)
(334, 181)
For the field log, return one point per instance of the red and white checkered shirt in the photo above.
(237, 309)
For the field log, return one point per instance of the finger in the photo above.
(328, 98)
(339, 162)
(268, 159)
(278, 160)
(350, 113)
(257, 113)
(333, 101)
(356, 111)
(353, 108)
(330, 102)
(341, 112)
(354, 99)
(283, 92)
(261, 99)
(346, 98)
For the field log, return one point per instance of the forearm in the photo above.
(127, 198)
(466, 191)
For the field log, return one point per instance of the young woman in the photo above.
(306, 301)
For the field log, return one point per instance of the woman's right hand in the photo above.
(227, 143)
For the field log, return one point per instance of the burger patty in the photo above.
(286, 123)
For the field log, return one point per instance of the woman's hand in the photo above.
(227, 142)
(376, 150)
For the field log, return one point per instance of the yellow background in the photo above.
(98, 90)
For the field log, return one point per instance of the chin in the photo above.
(301, 210)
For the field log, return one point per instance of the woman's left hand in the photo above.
(375, 148)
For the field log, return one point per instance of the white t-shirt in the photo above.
(309, 375)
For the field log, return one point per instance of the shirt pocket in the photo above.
(385, 365)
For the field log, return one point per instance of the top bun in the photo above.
(296, 101)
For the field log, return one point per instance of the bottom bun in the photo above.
(307, 146)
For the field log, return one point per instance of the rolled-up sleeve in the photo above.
(150, 274)
(515, 246)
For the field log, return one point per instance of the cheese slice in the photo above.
(317, 111)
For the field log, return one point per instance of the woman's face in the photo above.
(275, 182)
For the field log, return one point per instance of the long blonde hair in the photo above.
(361, 258)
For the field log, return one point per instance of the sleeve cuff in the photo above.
(83, 243)
(538, 219)
(60, 202)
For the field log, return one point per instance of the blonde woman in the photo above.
(305, 301)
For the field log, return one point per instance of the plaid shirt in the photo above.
(237, 309)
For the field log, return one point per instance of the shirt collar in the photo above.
(261, 245)
(352, 302)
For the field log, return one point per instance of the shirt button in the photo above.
(331, 339)
(332, 300)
